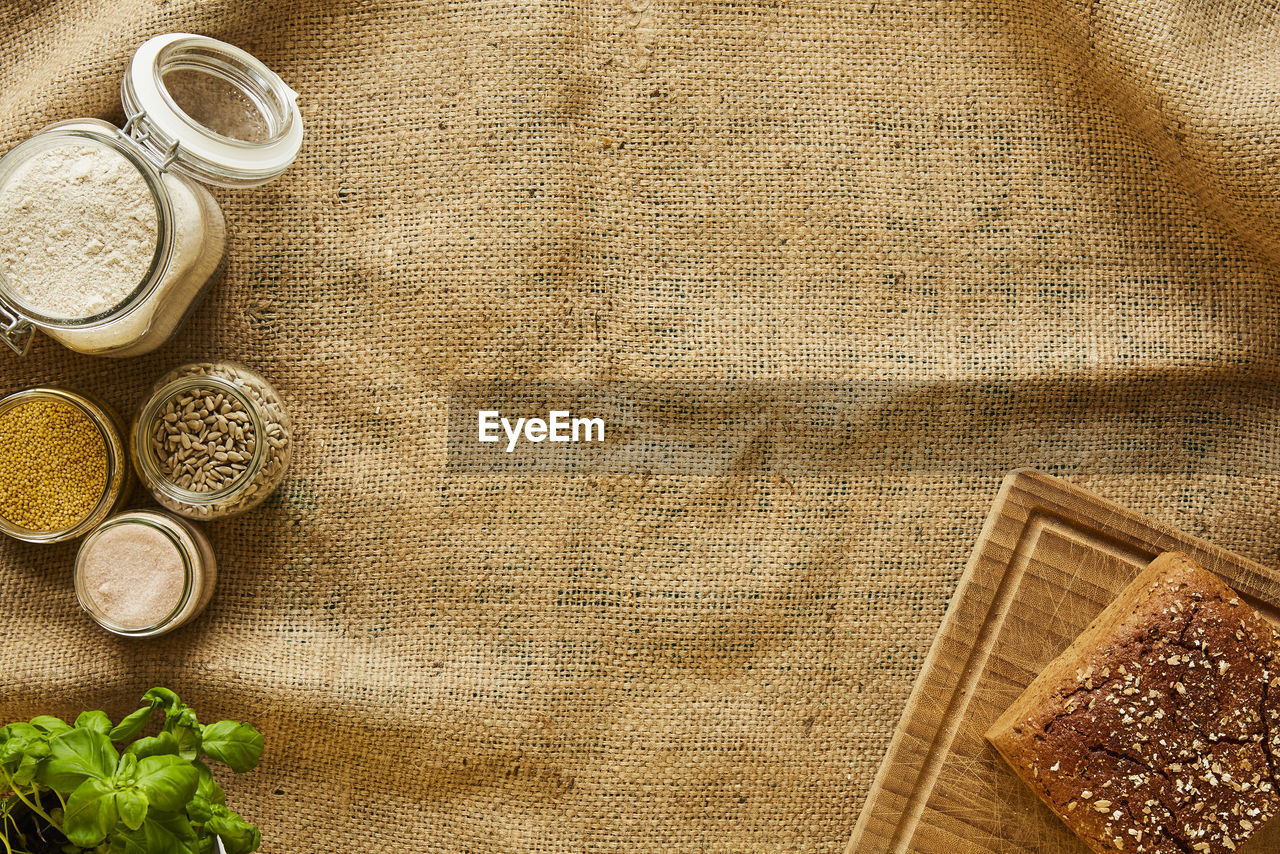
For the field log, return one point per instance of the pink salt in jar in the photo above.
(144, 573)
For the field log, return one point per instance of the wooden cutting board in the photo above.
(1050, 557)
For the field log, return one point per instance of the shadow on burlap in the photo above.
(1011, 233)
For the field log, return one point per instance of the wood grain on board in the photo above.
(1050, 557)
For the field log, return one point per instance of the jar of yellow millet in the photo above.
(63, 464)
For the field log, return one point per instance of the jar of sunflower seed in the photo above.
(212, 440)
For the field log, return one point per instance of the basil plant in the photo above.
(107, 789)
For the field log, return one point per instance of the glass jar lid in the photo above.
(210, 110)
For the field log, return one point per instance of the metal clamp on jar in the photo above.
(108, 240)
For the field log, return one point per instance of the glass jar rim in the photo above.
(58, 135)
(254, 79)
(149, 469)
(156, 521)
(172, 137)
(109, 429)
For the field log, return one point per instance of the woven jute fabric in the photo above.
(915, 245)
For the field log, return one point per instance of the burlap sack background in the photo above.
(1038, 233)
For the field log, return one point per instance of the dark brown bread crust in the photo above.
(1158, 730)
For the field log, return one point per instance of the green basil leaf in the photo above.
(49, 724)
(75, 756)
(208, 787)
(132, 806)
(125, 843)
(161, 833)
(127, 771)
(91, 813)
(163, 698)
(132, 724)
(188, 742)
(238, 836)
(181, 717)
(156, 745)
(26, 771)
(167, 781)
(96, 721)
(199, 810)
(238, 745)
(17, 748)
(12, 752)
(19, 730)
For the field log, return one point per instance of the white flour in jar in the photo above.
(78, 230)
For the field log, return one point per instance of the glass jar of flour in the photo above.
(108, 238)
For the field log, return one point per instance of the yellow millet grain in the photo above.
(53, 465)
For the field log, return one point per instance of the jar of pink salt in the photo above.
(144, 573)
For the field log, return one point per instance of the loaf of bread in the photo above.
(1158, 730)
